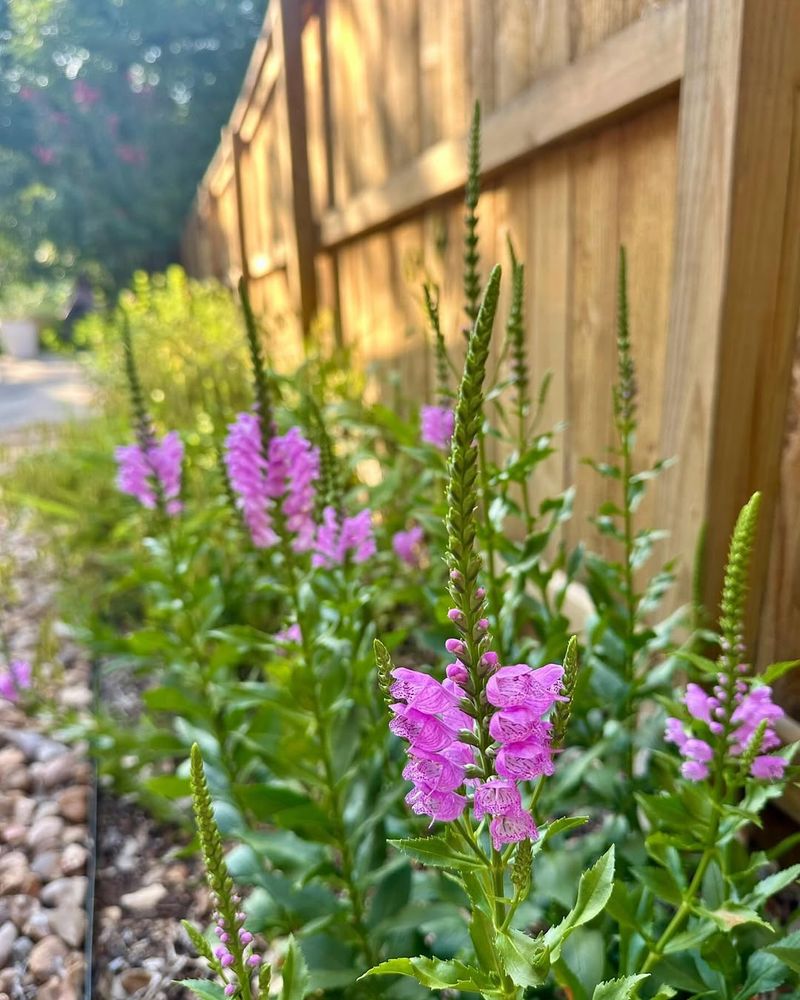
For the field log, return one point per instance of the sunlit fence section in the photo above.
(669, 127)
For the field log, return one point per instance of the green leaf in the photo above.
(435, 851)
(773, 883)
(169, 786)
(624, 988)
(525, 959)
(788, 950)
(594, 890)
(776, 670)
(295, 973)
(660, 882)
(204, 989)
(732, 915)
(764, 972)
(691, 938)
(435, 974)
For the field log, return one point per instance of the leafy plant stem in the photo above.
(335, 804)
(655, 953)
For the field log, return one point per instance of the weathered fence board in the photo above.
(671, 127)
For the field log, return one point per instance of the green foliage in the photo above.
(97, 97)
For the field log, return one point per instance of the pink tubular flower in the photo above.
(431, 716)
(15, 680)
(519, 685)
(143, 474)
(407, 545)
(337, 537)
(750, 708)
(437, 426)
(286, 476)
(291, 635)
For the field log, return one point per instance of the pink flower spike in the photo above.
(442, 806)
(497, 797)
(675, 733)
(515, 725)
(697, 750)
(432, 771)
(437, 424)
(698, 703)
(511, 829)
(520, 685)
(421, 691)
(694, 770)
(524, 761)
(767, 768)
(424, 732)
(407, 545)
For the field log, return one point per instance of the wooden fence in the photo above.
(672, 127)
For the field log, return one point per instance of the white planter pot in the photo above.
(20, 337)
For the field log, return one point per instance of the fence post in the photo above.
(301, 231)
(238, 149)
(730, 342)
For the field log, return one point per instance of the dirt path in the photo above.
(43, 390)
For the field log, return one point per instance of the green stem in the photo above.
(491, 565)
(335, 804)
(630, 596)
(656, 952)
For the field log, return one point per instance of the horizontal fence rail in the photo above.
(671, 127)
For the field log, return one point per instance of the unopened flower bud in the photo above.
(455, 615)
(245, 936)
(458, 672)
(230, 989)
(254, 960)
(456, 647)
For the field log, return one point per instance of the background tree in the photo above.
(109, 112)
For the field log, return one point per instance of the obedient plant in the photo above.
(15, 680)
(716, 936)
(241, 971)
(149, 470)
(475, 742)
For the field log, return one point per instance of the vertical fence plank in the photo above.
(300, 234)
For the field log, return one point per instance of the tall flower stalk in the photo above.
(233, 960)
(725, 736)
(476, 739)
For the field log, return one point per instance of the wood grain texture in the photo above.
(591, 369)
(759, 308)
(637, 64)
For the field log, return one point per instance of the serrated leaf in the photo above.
(624, 988)
(296, 980)
(435, 851)
(525, 959)
(773, 883)
(776, 670)
(732, 915)
(594, 890)
(435, 974)
(788, 950)
(764, 972)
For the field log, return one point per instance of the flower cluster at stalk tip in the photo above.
(736, 713)
(153, 473)
(408, 545)
(437, 426)
(339, 537)
(448, 752)
(15, 680)
(222, 951)
(286, 474)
